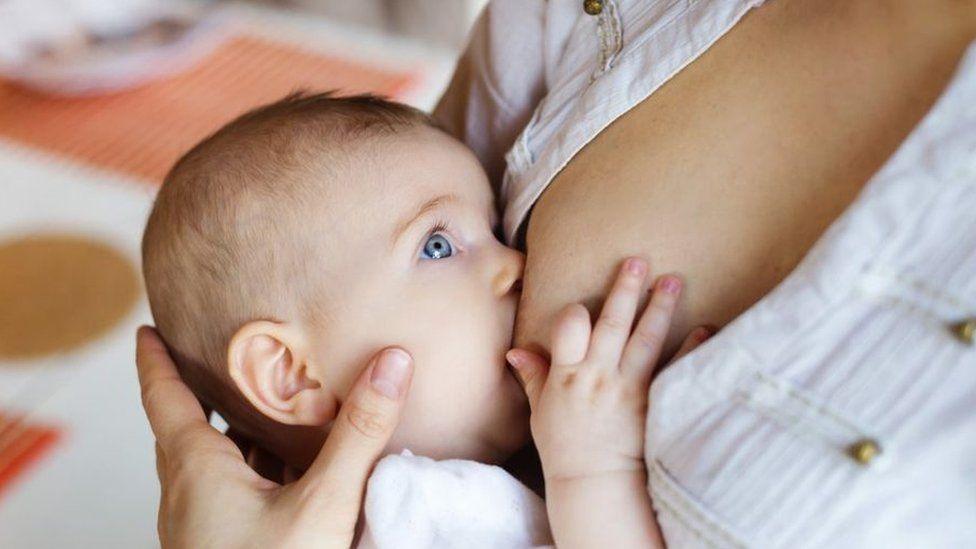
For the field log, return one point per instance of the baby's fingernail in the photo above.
(671, 284)
(389, 376)
(636, 266)
(513, 359)
(707, 331)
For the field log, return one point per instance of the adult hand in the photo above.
(212, 498)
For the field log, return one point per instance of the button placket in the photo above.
(950, 312)
(610, 34)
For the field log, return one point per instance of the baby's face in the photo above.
(410, 259)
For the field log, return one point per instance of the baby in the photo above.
(286, 248)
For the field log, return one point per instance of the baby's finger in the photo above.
(613, 327)
(645, 345)
(570, 335)
(695, 338)
(532, 371)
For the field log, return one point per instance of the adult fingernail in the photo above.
(390, 373)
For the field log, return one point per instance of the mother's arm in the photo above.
(212, 498)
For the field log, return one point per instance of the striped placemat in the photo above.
(141, 132)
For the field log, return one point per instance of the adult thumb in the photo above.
(362, 429)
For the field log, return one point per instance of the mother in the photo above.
(721, 142)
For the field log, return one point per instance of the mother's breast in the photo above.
(730, 172)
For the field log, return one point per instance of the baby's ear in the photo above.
(267, 362)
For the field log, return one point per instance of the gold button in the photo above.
(593, 7)
(864, 451)
(966, 331)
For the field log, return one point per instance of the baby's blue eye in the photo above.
(437, 247)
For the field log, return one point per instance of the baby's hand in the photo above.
(589, 406)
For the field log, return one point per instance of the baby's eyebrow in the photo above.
(423, 210)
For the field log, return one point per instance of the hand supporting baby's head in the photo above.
(296, 241)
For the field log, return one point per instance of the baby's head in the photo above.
(290, 246)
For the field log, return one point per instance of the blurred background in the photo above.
(97, 99)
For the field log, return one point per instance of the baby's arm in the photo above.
(588, 413)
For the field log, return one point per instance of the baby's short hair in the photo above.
(222, 246)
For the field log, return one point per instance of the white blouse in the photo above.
(840, 410)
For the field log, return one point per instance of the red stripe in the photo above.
(25, 457)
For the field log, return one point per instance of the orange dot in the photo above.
(60, 292)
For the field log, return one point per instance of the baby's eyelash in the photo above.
(439, 226)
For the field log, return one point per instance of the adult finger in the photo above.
(570, 335)
(532, 370)
(646, 343)
(170, 406)
(612, 329)
(361, 431)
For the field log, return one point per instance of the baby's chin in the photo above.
(493, 437)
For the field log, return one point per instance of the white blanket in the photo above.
(416, 502)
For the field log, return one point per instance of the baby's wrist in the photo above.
(609, 471)
(589, 485)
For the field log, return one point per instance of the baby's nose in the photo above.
(509, 275)
(507, 281)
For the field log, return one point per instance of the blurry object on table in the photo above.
(84, 47)
(59, 292)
